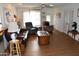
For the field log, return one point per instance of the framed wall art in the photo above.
(78, 12)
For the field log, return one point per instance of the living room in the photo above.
(50, 24)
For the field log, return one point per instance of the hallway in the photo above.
(60, 45)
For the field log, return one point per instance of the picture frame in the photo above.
(78, 12)
(8, 13)
(59, 15)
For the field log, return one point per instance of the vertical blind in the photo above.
(32, 16)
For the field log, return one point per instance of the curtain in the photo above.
(32, 16)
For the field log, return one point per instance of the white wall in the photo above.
(68, 15)
(1, 13)
(48, 11)
(58, 21)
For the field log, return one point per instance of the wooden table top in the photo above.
(73, 32)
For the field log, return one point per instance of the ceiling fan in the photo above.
(47, 5)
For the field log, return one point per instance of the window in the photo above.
(48, 18)
(0, 23)
(32, 16)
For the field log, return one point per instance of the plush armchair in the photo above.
(45, 23)
(30, 28)
(47, 26)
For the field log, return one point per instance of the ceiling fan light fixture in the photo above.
(51, 5)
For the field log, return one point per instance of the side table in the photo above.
(74, 33)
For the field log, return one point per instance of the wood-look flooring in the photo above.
(60, 45)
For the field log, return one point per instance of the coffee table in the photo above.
(43, 37)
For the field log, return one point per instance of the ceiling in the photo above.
(38, 4)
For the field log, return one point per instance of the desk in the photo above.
(74, 33)
(43, 37)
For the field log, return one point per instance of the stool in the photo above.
(15, 47)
